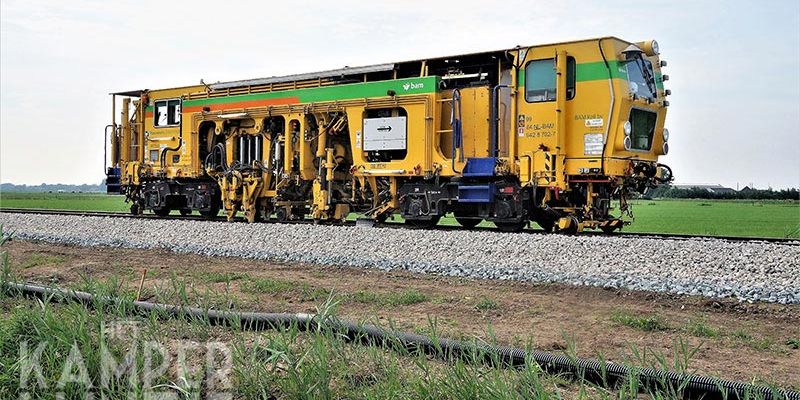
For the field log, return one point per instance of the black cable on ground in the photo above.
(604, 374)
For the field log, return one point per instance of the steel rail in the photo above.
(626, 235)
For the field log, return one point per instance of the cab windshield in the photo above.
(641, 80)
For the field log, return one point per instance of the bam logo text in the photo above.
(410, 85)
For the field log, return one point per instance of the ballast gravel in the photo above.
(749, 271)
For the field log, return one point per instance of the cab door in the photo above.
(540, 103)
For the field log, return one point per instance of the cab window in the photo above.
(641, 79)
(167, 113)
(540, 80)
(643, 124)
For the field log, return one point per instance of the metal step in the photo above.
(482, 193)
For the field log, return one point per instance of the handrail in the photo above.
(455, 123)
(105, 147)
(493, 116)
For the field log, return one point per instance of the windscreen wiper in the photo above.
(649, 79)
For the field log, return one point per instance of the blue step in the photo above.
(475, 193)
(479, 166)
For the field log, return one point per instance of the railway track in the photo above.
(674, 236)
(643, 262)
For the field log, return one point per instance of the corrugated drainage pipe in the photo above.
(606, 374)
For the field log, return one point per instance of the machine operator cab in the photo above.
(590, 125)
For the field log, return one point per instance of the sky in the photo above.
(734, 66)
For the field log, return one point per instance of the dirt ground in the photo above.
(733, 340)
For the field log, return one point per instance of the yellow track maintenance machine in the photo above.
(550, 133)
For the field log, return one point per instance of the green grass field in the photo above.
(64, 201)
(717, 217)
(701, 217)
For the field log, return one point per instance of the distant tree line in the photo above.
(664, 191)
(670, 192)
(52, 187)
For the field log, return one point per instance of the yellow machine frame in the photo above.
(565, 153)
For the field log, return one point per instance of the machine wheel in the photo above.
(260, 216)
(468, 223)
(547, 225)
(298, 213)
(511, 226)
(281, 215)
(572, 228)
(211, 213)
(381, 218)
(136, 209)
(608, 229)
(424, 224)
(162, 212)
(186, 211)
(264, 212)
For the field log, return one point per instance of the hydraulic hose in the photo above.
(606, 374)
(669, 176)
(211, 158)
(610, 107)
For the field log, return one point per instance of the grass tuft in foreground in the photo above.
(37, 259)
(402, 298)
(486, 304)
(647, 322)
(701, 329)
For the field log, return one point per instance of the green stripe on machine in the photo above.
(335, 92)
(591, 71)
(659, 81)
(597, 70)
(585, 72)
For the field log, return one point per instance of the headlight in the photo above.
(593, 144)
(627, 128)
(665, 149)
(666, 134)
(649, 47)
(627, 143)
